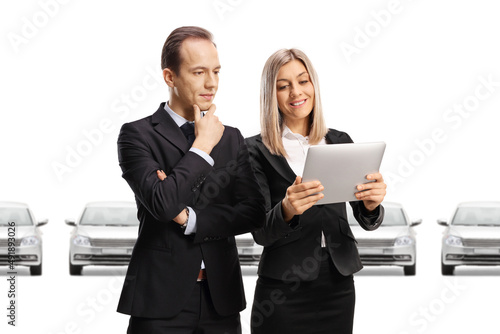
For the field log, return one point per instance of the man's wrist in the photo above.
(205, 148)
(185, 222)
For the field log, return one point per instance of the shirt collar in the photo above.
(179, 120)
(287, 133)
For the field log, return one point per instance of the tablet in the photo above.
(342, 167)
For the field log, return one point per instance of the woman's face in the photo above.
(295, 92)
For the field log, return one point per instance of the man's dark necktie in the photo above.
(188, 131)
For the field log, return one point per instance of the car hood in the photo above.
(108, 232)
(383, 232)
(21, 232)
(476, 232)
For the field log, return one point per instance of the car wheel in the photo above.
(447, 270)
(75, 270)
(410, 270)
(36, 270)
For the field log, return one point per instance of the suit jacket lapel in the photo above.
(167, 128)
(278, 162)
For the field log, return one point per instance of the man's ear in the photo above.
(168, 76)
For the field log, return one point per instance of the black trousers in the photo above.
(322, 306)
(197, 317)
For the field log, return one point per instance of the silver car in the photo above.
(105, 234)
(20, 234)
(472, 237)
(393, 243)
(249, 252)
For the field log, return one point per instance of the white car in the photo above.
(20, 233)
(472, 237)
(392, 244)
(249, 252)
(105, 234)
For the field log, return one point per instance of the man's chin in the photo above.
(204, 105)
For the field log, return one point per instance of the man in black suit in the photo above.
(195, 190)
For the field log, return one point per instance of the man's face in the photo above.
(198, 77)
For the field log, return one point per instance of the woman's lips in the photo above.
(297, 104)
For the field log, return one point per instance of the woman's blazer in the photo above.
(292, 251)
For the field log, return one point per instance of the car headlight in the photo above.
(80, 240)
(403, 241)
(30, 241)
(452, 240)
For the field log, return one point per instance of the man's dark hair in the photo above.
(170, 55)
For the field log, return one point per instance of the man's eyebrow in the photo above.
(204, 68)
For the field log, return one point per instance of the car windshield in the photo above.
(110, 216)
(392, 217)
(20, 216)
(477, 216)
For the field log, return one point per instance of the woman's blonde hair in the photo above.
(271, 119)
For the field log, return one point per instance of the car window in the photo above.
(392, 217)
(20, 216)
(477, 216)
(109, 217)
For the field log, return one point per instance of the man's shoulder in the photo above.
(231, 132)
(147, 121)
(140, 122)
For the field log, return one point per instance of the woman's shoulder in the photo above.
(338, 136)
(253, 140)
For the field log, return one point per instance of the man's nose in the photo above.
(211, 80)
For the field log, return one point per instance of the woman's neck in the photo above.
(299, 126)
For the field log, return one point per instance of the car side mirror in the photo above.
(42, 222)
(416, 222)
(70, 222)
(442, 222)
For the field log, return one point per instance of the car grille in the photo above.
(482, 258)
(112, 242)
(366, 259)
(109, 258)
(4, 243)
(375, 242)
(245, 243)
(481, 242)
(4, 259)
(244, 259)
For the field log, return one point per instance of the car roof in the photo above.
(110, 204)
(479, 204)
(13, 205)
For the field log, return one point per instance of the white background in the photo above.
(69, 67)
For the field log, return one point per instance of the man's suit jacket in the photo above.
(292, 251)
(226, 199)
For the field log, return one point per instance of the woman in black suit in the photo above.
(305, 282)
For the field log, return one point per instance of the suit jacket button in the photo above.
(287, 235)
(205, 239)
